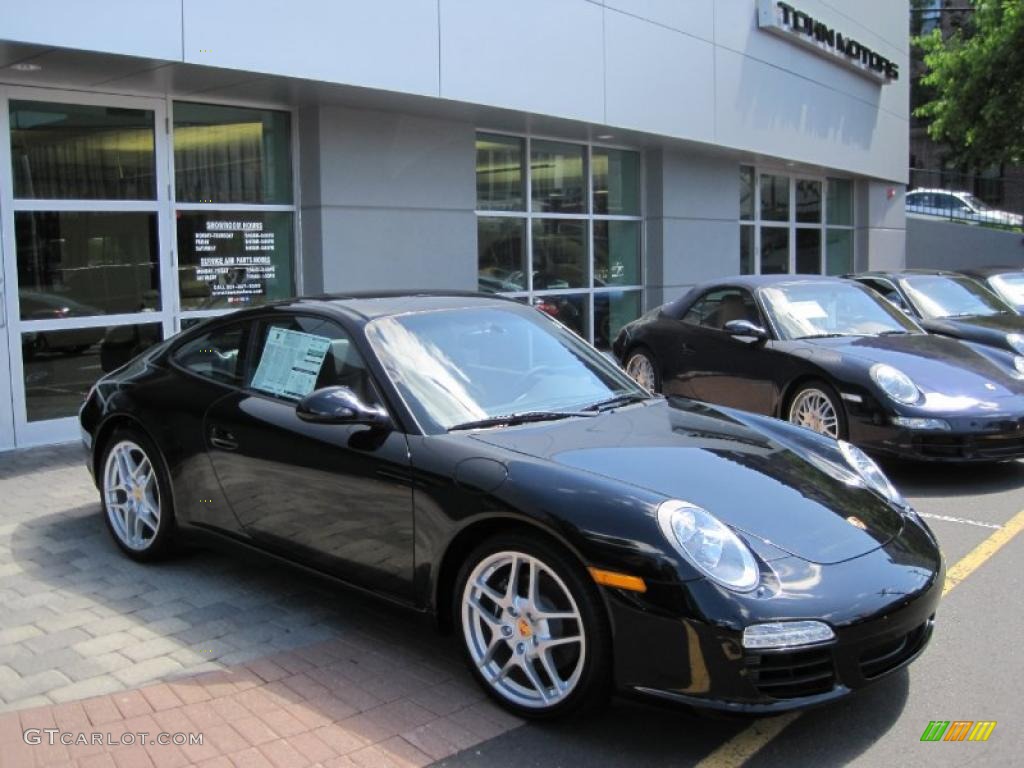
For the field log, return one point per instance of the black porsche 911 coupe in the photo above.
(471, 458)
(833, 356)
(951, 305)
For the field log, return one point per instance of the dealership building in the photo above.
(168, 160)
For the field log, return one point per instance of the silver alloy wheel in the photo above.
(640, 368)
(523, 629)
(131, 495)
(813, 409)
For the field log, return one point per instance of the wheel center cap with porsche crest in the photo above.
(525, 630)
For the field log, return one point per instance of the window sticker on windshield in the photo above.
(290, 363)
(807, 310)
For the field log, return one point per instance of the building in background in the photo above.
(931, 164)
(168, 160)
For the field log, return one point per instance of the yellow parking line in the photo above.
(748, 742)
(977, 556)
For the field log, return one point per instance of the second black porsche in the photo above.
(833, 356)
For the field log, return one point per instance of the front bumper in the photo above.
(970, 439)
(881, 607)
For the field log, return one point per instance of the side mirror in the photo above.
(745, 329)
(340, 405)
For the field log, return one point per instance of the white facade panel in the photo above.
(150, 29)
(654, 81)
(540, 56)
(764, 109)
(694, 17)
(736, 29)
(386, 44)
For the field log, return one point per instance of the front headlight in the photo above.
(709, 544)
(895, 383)
(872, 474)
(1016, 342)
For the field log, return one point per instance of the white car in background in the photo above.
(962, 206)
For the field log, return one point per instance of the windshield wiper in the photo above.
(828, 335)
(614, 402)
(894, 332)
(511, 419)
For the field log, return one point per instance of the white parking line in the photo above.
(963, 520)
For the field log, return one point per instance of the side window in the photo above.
(717, 308)
(299, 354)
(216, 355)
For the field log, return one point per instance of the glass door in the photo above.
(84, 198)
(6, 408)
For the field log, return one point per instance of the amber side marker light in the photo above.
(618, 580)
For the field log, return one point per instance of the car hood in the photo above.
(948, 371)
(777, 484)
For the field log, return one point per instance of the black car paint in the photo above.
(984, 398)
(591, 484)
(988, 330)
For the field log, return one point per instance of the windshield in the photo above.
(938, 296)
(976, 202)
(819, 309)
(1011, 286)
(463, 365)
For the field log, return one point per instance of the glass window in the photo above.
(60, 366)
(570, 229)
(746, 192)
(82, 152)
(840, 202)
(216, 354)
(616, 182)
(839, 251)
(499, 173)
(805, 310)
(747, 266)
(611, 312)
(330, 357)
(808, 201)
(570, 310)
(774, 197)
(80, 264)
(616, 253)
(226, 154)
(715, 309)
(501, 249)
(939, 296)
(808, 251)
(233, 259)
(774, 250)
(558, 177)
(559, 254)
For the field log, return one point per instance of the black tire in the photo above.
(826, 390)
(593, 681)
(643, 355)
(158, 543)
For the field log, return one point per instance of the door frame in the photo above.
(27, 433)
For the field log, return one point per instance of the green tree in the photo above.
(975, 81)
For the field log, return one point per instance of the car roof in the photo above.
(892, 273)
(991, 270)
(937, 189)
(748, 282)
(369, 305)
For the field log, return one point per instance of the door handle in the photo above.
(221, 438)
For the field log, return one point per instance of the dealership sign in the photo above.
(784, 20)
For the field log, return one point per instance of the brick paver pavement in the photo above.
(273, 667)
